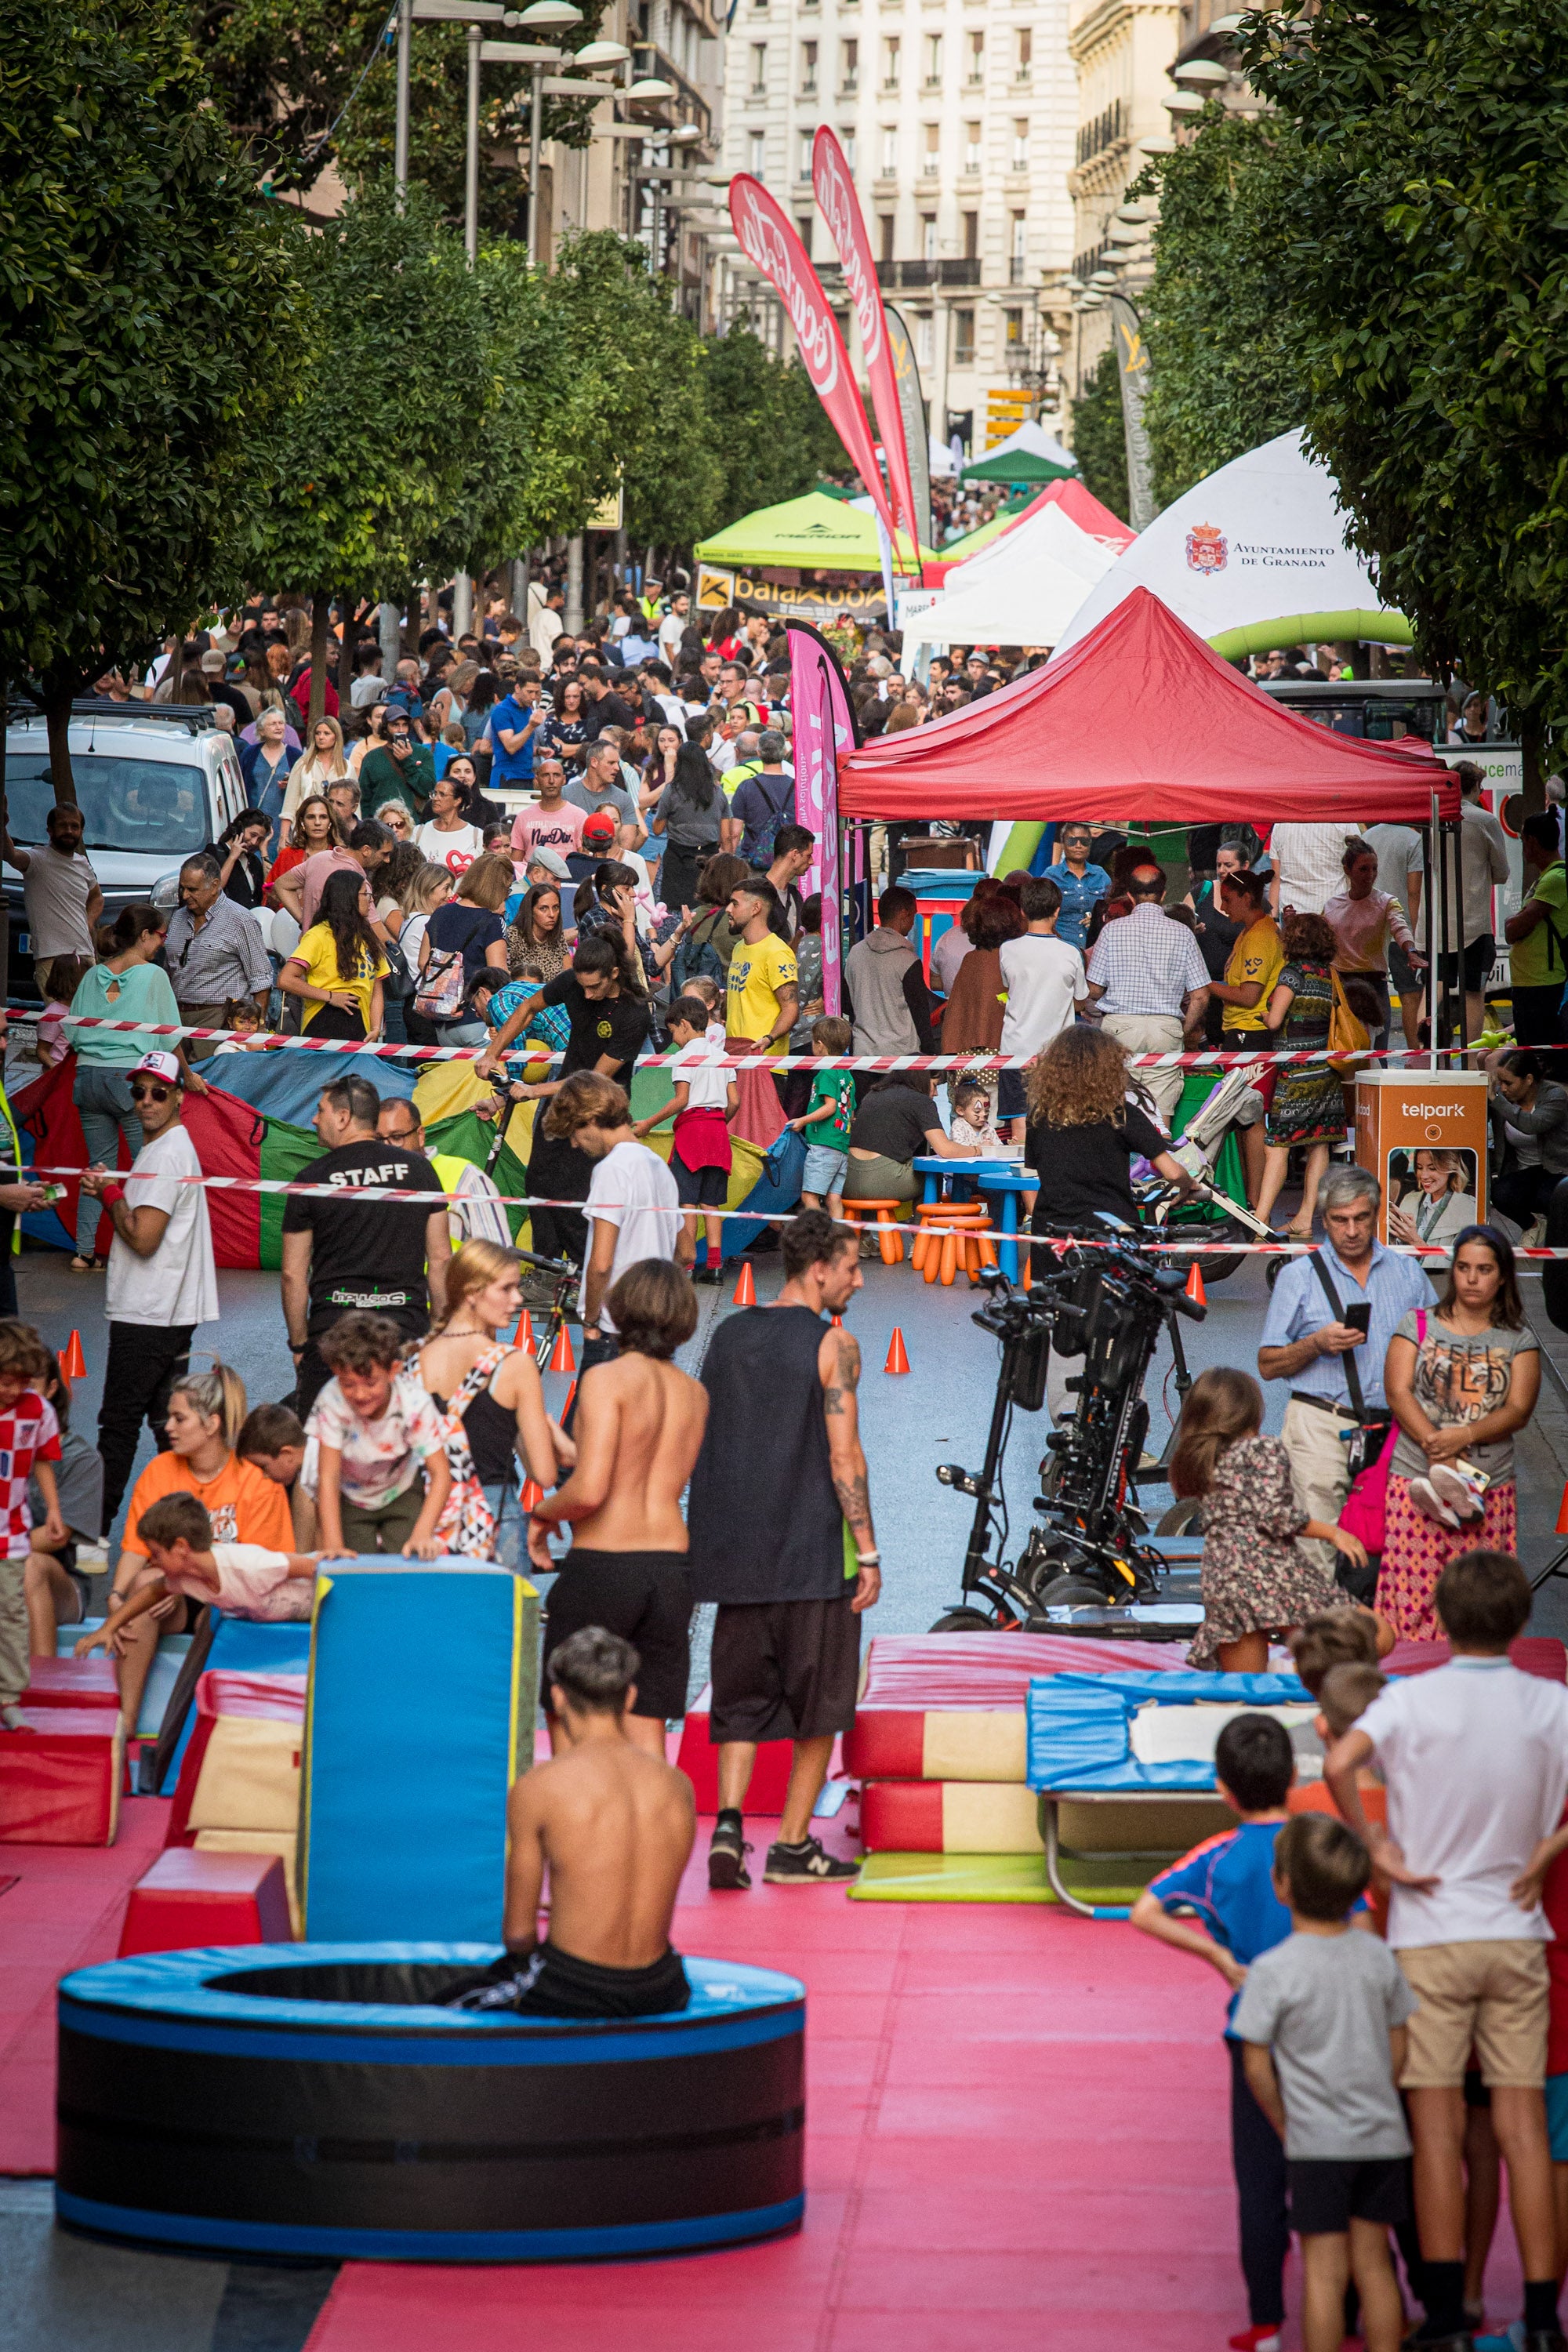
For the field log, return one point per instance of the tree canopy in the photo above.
(146, 324)
(1423, 253)
(1098, 441)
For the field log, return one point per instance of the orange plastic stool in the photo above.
(892, 1241)
(941, 1245)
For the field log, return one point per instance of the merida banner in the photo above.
(769, 241)
(834, 185)
(1132, 368)
(911, 403)
(824, 729)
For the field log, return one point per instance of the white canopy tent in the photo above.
(1254, 557)
(1050, 536)
(1021, 590)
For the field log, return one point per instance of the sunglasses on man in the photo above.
(151, 1093)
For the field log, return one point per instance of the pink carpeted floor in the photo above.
(64, 1912)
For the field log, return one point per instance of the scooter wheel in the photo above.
(1218, 1266)
(964, 1620)
(1072, 1592)
(1179, 1517)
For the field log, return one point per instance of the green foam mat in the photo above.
(989, 1878)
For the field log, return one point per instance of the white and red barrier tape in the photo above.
(977, 1064)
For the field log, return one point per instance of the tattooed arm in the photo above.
(838, 1367)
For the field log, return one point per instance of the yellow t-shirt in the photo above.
(318, 952)
(1258, 954)
(756, 976)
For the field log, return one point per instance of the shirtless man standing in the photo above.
(614, 1826)
(639, 1425)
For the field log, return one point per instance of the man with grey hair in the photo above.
(601, 786)
(735, 747)
(1332, 1355)
(762, 805)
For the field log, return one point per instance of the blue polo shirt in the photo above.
(1080, 895)
(1228, 1883)
(512, 767)
(1395, 1284)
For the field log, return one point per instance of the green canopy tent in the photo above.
(1029, 455)
(815, 533)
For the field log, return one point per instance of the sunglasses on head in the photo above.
(151, 1093)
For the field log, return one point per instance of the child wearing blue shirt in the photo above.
(1229, 1884)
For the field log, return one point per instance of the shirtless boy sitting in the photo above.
(615, 1825)
(639, 1426)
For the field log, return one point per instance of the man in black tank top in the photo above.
(780, 1522)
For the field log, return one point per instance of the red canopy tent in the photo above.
(1141, 721)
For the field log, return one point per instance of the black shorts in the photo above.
(1011, 1101)
(785, 1669)
(698, 1188)
(1478, 959)
(646, 1598)
(554, 1983)
(1328, 2193)
(1403, 976)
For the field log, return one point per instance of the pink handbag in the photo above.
(1366, 1504)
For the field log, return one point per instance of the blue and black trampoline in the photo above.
(313, 2100)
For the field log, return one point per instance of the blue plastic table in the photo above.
(938, 1172)
(1009, 1183)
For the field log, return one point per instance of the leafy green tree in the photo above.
(1224, 372)
(359, 471)
(146, 319)
(1099, 442)
(775, 439)
(1424, 254)
(312, 82)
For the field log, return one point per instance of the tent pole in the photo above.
(841, 883)
(1437, 929)
(1459, 919)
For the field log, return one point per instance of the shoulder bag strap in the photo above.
(1353, 1377)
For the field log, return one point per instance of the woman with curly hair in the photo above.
(315, 826)
(1078, 1093)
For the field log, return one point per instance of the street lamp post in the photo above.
(400, 133)
(542, 17)
(471, 160)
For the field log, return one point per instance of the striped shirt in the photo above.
(1146, 963)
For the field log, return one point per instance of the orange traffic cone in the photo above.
(1196, 1284)
(566, 1408)
(745, 1289)
(838, 1321)
(523, 1335)
(532, 1496)
(897, 1359)
(562, 1359)
(1562, 1513)
(73, 1363)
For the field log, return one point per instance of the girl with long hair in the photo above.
(539, 937)
(315, 826)
(240, 849)
(1461, 1379)
(470, 928)
(493, 1387)
(1438, 1205)
(126, 986)
(338, 967)
(447, 838)
(1258, 1583)
(688, 812)
(565, 734)
(320, 765)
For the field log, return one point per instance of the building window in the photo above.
(808, 69)
(931, 161)
(1020, 146)
(1018, 248)
(803, 226)
(971, 237)
(759, 68)
(925, 339)
(884, 236)
(976, 57)
(756, 145)
(890, 154)
(851, 82)
(847, 140)
(1013, 326)
(964, 338)
(933, 60)
(972, 147)
(1023, 52)
(803, 167)
(892, 61)
(928, 236)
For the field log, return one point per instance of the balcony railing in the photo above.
(1105, 129)
(1017, 270)
(907, 277)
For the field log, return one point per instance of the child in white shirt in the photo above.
(378, 1437)
(242, 1580)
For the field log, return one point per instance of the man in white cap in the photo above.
(163, 1280)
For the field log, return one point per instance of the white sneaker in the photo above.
(1458, 1491)
(1427, 1500)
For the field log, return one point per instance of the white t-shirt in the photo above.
(55, 892)
(632, 1189)
(697, 1065)
(456, 851)
(1311, 859)
(1476, 1758)
(1043, 979)
(178, 1284)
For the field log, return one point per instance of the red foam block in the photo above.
(70, 1682)
(275, 1698)
(1533, 1654)
(698, 1759)
(59, 1778)
(189, 1899)
(901, 1817)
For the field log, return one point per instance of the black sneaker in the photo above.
(807, 1865)
(727, 1860)
(709, 1273)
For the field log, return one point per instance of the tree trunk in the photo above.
(1531, 735)
(320, 634)
(58, 695)
(346, 656)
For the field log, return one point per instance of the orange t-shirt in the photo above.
(1312, 1797)
(244, 1504)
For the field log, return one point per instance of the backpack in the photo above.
(762, 839)
(697, 958)
(442, 991)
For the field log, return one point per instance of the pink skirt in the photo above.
(1416, 1551)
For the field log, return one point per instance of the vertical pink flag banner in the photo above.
(769, 241)
(823, 725)
(834, 185)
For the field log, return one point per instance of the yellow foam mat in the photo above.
(249, 1776)
(990, 1878)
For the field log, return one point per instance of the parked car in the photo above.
(155, 783)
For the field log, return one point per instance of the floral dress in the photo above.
(1257, 1578)
(1308, 1104)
